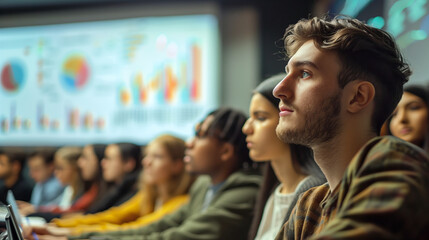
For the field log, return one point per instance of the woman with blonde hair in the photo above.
(67, 172)
(167, 172)
(164, 188)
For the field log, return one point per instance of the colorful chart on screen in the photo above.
(125, 80)
(12, 76)
(75, 73)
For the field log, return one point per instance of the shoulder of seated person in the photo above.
(380, 146)
(245, 177)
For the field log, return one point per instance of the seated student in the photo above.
(410, 120)
(48, 190)
(121, 166)
(89, 170)
(89, 164)
(290, 165)
(67, 172)
(344, 78)
(164, 187)
(77, 196)
(11, 165)
(221, 202)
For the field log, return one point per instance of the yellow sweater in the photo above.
(122, 217)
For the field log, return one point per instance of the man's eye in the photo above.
(305, 74)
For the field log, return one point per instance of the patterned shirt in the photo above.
(384, 194)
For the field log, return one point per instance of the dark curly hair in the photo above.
(226, 126)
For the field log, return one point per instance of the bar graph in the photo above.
(166, 84)
(105, 81)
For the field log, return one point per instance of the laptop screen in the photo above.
(13, 228)
(10, 198)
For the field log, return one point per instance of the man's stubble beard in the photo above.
(320, 125)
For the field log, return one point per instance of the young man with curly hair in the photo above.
(344, 78)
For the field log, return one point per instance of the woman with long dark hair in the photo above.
(89, 164)
(289, 171)
(410, 120)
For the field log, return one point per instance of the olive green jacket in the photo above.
(228, 215)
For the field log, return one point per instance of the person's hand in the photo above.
(56, 231)
(50, 229)
(31, 237)
(27, 232)
(40, 230)
(25, 208)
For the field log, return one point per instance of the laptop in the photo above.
(3, 213)
(13, 230)
(30, 221)
(10, 198)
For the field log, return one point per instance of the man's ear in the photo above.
(362, 93)
(227, 151)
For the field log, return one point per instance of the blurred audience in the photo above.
(74, 197)
(221, 202)
(164, 185)
(48, 190)
(291, 169)
(11, 166)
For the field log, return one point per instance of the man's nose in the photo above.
(283, 90)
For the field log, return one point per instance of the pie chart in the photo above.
(75, 73)
(12, 76)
